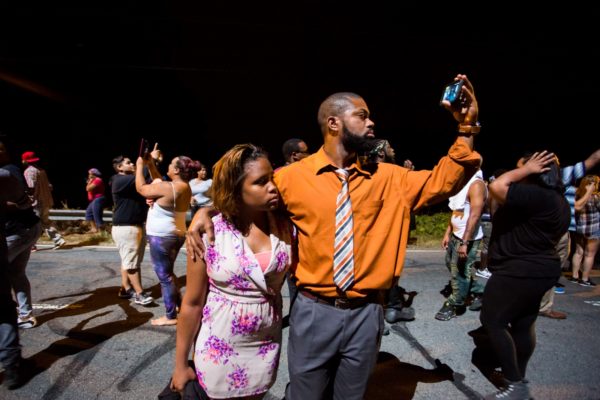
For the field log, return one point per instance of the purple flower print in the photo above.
(212, 258)
(238, 379)
(200, 376)
(221, 225)
(244, 324)
(282, 260)
(274, 365)
(266, 348)
(206, 314)
(239, 282)
(246, 263)
(217, 350)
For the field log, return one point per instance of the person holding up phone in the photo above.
(352, 222)
(165, 225)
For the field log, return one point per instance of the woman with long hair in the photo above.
(165, 225)
(587, 239)
(232, 304)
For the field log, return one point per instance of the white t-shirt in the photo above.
(199, 189)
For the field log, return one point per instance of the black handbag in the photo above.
(192, 391)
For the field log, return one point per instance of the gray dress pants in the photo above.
(332, 350)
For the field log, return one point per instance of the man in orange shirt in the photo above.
(353, 219)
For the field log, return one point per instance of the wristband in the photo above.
(472, 129)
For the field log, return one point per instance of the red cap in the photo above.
(29, 156)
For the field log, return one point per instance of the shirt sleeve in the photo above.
(424, 188)
(571, 173)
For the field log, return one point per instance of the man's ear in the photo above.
(334, 124)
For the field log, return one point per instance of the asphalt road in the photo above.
(92, 345)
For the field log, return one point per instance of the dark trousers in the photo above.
(510, 308)
(10, 351)
(331, 347)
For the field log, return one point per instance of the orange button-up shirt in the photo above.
(382, 197)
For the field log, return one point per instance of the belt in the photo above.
(343, 303)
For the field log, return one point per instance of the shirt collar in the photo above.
(322, 163)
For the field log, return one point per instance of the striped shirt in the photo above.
(570, 175)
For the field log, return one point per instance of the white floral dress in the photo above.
(237, 349)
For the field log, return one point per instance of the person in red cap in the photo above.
(40, 193)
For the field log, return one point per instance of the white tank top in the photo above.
(459, 223)
(162, 222)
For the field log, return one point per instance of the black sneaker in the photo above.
(446, 313)
(573, 280)
(393, 315)
(13, 376)
(512, 391)
(587, 283)
(476, 303)
(126, 294)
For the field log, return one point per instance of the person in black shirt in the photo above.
(532, 217)
(129, 216)
(22, 230)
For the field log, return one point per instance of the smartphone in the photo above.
(452, 91)
(144, 148)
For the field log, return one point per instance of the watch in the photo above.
(472, 128)
(464, 242)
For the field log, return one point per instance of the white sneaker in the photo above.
(27, 322)
(483, 273)
(59, 244)
(143, 299)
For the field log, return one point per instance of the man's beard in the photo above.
(356, 143)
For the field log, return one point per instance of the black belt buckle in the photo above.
(342, 302)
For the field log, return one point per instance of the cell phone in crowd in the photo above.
(452, 91)
(144, 148)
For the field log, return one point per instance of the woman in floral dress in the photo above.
(233, 296)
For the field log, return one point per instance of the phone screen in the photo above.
(452, 91)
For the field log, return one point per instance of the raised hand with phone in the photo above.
(459, 98)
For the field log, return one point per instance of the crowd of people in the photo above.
(336, 224)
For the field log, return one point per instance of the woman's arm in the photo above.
(189, 320)
(91, 184)
(535, 165)
(150, 191)
(580, 203)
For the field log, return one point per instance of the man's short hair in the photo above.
(290, 146)
(335, 105)
(117, 161)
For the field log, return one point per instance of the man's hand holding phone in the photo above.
(459, 98)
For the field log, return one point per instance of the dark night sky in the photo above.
(80, 84)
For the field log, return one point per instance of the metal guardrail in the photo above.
(76, 215)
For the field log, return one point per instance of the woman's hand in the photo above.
(539, 162)
(202, 223)
(180, 377)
